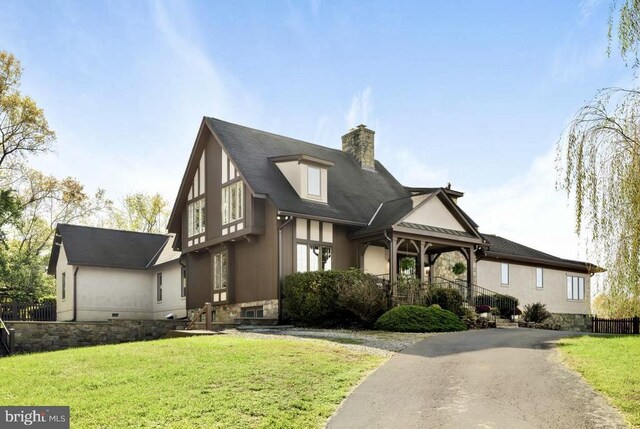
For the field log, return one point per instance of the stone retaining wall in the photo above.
(563, 322)
(47, 336)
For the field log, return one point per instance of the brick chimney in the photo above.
(358, 143)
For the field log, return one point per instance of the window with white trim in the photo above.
(196, 218)
(539, 278)
(313, 257)
(220, 268)
(504, 274)
(575, 288)
(232, 202)
(313, 181)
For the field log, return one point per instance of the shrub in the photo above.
(469, 318)
(483, 309)
(536, 313)
(447, 299)
(334, 298)
(416, 318)
(312, 297)
(436, 306)
(360, 295)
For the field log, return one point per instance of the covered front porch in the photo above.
(414, 251)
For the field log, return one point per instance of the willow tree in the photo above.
(599, 160)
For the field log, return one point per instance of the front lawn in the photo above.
(213, 382)
(612, 366)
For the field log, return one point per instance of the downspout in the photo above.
(75, 300)
(288, 220)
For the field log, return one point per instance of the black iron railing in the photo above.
(409, 291)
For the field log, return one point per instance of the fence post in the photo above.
(636, 325)
(594, 324)
(208, 316)
(12, 341)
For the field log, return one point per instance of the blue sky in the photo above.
(472, 93)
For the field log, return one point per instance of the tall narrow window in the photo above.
(64, 285)
(232, 202)
(313, 181)
(220, 270)
(539, 278)
(159, 287)
(183, 284)
(196, 218)
(505, 274)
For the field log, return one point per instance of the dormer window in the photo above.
(313, 181)
(308, 175)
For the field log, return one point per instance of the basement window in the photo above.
(253, 312)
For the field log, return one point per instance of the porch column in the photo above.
(423, 248)
(471, 267)
(362, 247)
(393, 262)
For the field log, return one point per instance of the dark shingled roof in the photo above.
(501, 248)
(102, 247)
(354, 193)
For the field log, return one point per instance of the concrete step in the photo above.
(255, 321)
(191, 333)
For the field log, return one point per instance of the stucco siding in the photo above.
(434, 213)
(522, 285)
(104, 291)
(171, 302)
(376, 260)
(64, 307)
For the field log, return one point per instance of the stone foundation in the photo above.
(228, 313)
(48, 336)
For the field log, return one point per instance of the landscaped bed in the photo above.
(220, 381)
(611, 364)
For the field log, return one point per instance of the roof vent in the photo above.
(359, 143)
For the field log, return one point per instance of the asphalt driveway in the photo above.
(494, 378)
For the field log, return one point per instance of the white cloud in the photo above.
(360, 110)
(527, 209)
(587, 7)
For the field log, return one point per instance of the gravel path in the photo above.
(374, 342)
(495, 378)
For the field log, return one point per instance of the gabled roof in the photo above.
(501, 248)
(101, 247)
(394, 212)
(354, 193)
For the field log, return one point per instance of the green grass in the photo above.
(212, 382)
(611, 365)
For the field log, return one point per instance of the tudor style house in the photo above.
(254, 207)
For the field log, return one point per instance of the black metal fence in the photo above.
(28, 311)
(630, 325)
